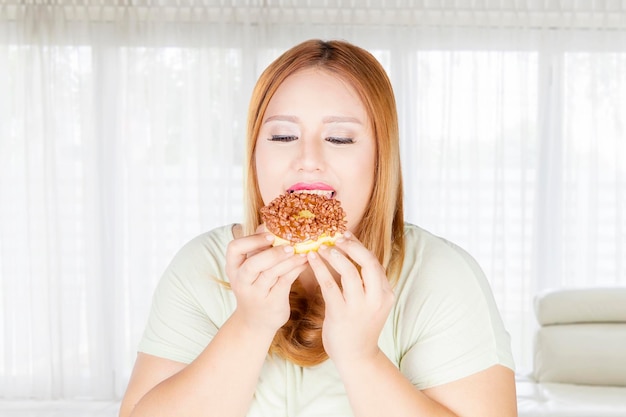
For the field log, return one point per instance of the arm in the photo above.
(487, 393)
(377, 387)
(221, 381)
(148, 371)
(355, 316)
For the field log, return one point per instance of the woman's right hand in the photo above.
(261, 277)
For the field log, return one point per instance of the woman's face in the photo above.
(316, 136)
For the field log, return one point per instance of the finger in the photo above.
(350, 278)
(263, 261)
(284, 282)
(330, 290)
(238, 249)
(268, 278)
(372, 272)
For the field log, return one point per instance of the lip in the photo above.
(311, 186)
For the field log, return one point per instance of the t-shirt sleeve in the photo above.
(181, 321)
(449, 325)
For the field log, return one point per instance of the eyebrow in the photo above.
(327, 119)
(341, 119)
(282, 118)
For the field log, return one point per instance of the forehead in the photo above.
(314, 86)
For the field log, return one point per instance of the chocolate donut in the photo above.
(305, 220)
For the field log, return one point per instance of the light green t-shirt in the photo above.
(444, 325)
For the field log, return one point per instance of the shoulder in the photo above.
(190, 301)
(435, 268)
(427, 254)
(445, 312)
(197, 264)
(215, 239)
(208, 247)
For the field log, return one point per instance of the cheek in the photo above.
(364, 171)
(268, 172)
(360, 182)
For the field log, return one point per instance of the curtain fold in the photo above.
(122, 130)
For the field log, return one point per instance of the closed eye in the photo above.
(283, 138)
(339, 141)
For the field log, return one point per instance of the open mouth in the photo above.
(326, 193)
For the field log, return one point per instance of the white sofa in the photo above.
(579, 366)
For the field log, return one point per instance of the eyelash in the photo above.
(283, 138)
(331, 139)
(339, 141)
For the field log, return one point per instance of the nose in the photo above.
(310, 156)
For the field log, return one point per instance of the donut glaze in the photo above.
(304, 220)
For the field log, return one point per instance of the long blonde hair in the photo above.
(381, 228)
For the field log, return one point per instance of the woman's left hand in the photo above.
(357, 311)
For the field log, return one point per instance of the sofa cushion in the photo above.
(589, 305)
(589, 353)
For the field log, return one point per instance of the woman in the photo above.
(390, 321)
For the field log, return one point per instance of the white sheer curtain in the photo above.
(121, 137)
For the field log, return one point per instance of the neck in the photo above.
(308, 281)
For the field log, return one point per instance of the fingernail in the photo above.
(334, 252)
(269, 238)
(288, 249)
(323, 247)
(312, 255)
(347, 234)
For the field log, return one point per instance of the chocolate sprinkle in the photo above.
(283, 217)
